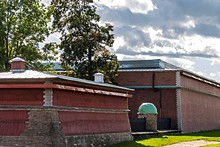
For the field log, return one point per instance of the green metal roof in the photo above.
(147, 108)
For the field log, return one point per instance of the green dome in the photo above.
(147, 108)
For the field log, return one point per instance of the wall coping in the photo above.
(65, 87)
(61, 108)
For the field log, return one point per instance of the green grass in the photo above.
(157, 141)
(212, 145)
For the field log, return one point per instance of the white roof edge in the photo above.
(17, 59)
(32, 74)
(200, 78)
(92, 82)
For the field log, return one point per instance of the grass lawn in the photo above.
(156, 141)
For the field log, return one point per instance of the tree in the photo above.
(84, 40)
(23, 25)
(107, 64)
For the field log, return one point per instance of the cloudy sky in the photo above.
(185, 33)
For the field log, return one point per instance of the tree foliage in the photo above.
(23, 25)
(84, 40)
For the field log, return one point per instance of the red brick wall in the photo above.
(143, 96)
(88, 100)
(144, 78)
(168, 103)
(81, 123)
(165, 78)
(169, 107)
(21, 97)
(191, 83)
(200, 111)
(12, 123)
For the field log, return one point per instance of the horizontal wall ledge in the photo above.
(61, 108)
(65, 87)
(154, 87)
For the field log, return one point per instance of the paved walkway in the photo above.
(196, 143)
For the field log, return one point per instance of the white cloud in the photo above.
(188, 23)
(46, 2)
(185, 33)
(214, 76)
(53, 38)
(181, 62)
(153, 32)
(119, 42)
(136, 6)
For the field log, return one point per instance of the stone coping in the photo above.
(62, 108)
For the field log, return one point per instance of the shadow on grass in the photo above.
(137, 138)
(129, 144)
(142, 137)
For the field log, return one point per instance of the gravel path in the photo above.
(196, 143)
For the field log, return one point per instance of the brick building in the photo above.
(41, 109)
(190, 101)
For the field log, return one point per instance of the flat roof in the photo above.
(146, 64)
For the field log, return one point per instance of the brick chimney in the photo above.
(17, 64)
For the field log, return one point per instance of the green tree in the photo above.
(84, 40)
(23, 25)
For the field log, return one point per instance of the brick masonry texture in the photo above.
(166, 105)
(84, 123)
(146, 78)
(163, 99)
(43, 110)
(98, 140)
(87, 100)
(199, 105)
(196, 99)
(12, 122)
(44, 129)
(21, 97)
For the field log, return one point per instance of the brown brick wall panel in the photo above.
(12, 123)
(191, 83)
(88, 100)
(21, 96)
(199, 111)
(146, 78)
(142, 96)
(134, 78)
(165, 78)
(168, 101)
(83, 123)
(169, 107)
